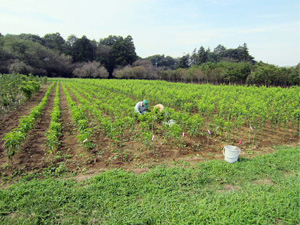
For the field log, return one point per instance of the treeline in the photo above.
(115, 57)
(53, 56)
(236, 73)
(229, 66)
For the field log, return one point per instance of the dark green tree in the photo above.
(71, 40)
(116, 51)
(243, 54)
(110, 40)
(235, 72)
(184, 61)
(202, 55)
(194, 58)
(219, 52)
(54, 41)
(124, 51)
(32, 37)
(162, 61)
(240, 54)
(82, 50)
(69, 44)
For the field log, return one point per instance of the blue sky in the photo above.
(269, 27)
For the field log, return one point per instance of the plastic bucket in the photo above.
(231, 153)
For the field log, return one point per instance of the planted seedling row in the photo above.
(55, 127)
(81, 121)
(113, 128)
(15, 138)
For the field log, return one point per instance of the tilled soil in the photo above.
(130, 154)
(34, 149)
(11, 120)
(70, 150)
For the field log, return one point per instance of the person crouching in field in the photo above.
(142, 107)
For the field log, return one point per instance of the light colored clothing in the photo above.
(140, 108)
(160, 107)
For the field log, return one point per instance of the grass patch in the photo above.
(262, 190)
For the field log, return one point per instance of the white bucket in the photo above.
(231, 153)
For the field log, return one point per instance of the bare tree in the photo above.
(91, 70)
(18, 66)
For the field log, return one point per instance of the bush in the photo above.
(29, 88)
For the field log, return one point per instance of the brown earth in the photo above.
(11, 120)
(70, 148)
(129, 153)
(34, 150)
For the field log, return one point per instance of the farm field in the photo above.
(89, 126)
(76, 153)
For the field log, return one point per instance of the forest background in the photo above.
(115, 57)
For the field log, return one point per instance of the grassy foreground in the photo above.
(262, 190)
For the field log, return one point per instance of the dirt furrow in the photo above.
(11, 120)
(102, 150)
(75, 156)
(101, 156)
(33, 153)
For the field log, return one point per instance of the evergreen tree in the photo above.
(82, 50)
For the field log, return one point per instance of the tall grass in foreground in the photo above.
(262, 190)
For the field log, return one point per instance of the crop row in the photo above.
(81, 121)
(55, 127)
(15, 138)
